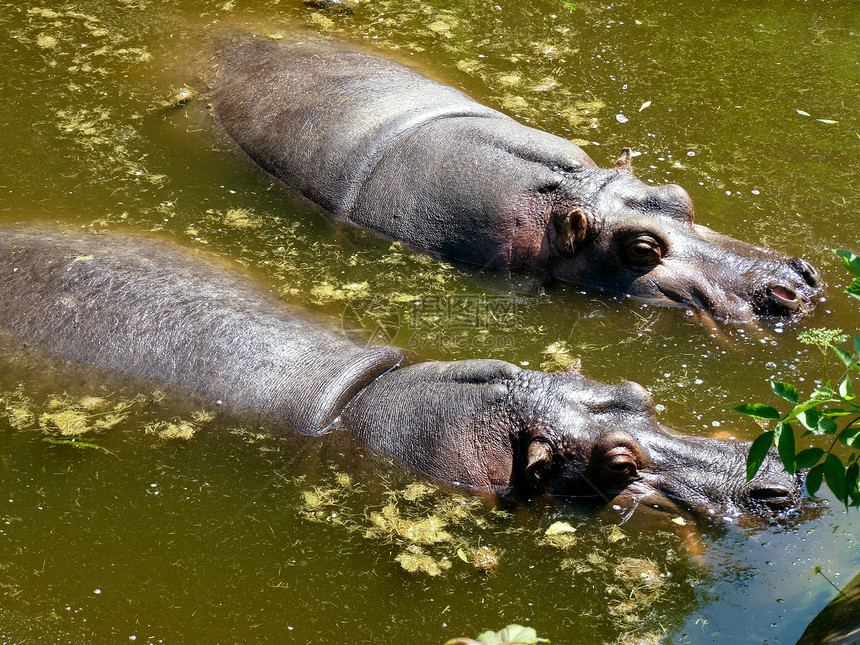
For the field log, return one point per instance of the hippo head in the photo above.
(584, 438)
(625, 236)
(490, 425)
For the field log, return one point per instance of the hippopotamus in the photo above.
(380, 146)
(140, 306)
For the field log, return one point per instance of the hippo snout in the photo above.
(792, 293)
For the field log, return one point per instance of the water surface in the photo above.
(230, 537)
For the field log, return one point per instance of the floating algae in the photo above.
(241, 218)
(642, 574)
(473, 38)
(171, 429)
(46, 42)
(559, 535)
(483, 558)
(95, 109)
(18, 409)
(326, 292)
(70, 417)
(429, 530)
(178, 428)
(178, 97)
(558, 357)
(414, 560)
(424, 527)
(416, 491)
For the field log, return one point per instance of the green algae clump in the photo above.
(72, 417)
(241, 218)
(559, 535)
(558, 357)
(414, 560)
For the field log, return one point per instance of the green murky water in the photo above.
(229, 537)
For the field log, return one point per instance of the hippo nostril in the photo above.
(778, 300)
(805, 269)
(773, 496)
(784, 295)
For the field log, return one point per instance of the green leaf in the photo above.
(783, 437)
(828, 121)
(759, 411)
(785, 390)
(856, 340)
(804, 113)
(803, 407)
(852, 482)
(758, 452)
(823, 393)
(571, 5)
(854, 289)
(813, 479)
(806, 459)
(462, 555)
(846, 357)
(809, 418)
(850, 435)
(850, 261)
(845, 390)
(834, 474)
(827, 426)
(835, 413)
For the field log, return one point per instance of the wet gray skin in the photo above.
(382, 147)
(137, 306)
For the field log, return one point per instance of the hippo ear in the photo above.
(573, 229)
(538, 461)
(623, 162)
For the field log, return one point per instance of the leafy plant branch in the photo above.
(827, 408)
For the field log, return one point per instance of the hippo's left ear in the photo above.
(624, 162)
(573, 229)
(539, 460)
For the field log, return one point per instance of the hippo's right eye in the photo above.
(643, 251)
(618, 465)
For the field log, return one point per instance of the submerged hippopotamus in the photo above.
(141, 307)
(382, 147)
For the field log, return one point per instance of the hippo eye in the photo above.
(644, 250)
(618, 465)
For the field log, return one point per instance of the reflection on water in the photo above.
(225, 537)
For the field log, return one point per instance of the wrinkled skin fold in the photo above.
(382, 147)
(145, 308)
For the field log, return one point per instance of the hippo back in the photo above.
(335, 111)
(143, 308)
